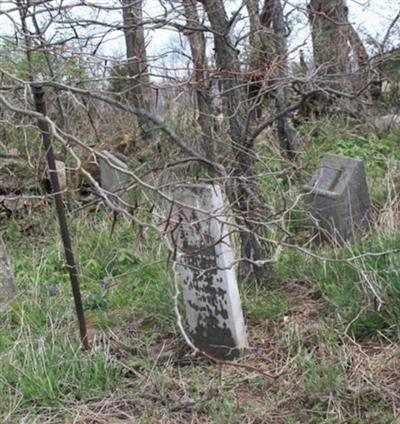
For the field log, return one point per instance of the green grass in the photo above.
(52, 370)
(43, 365)
(380, 155)
(265, 304)
(363, 294)
(127, 294)
(112, 276)
(332, 327)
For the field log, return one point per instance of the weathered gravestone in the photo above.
(338, 200)
(205, 262)
(387, 123)
(112, 179)
(7, 285)
(62, 174)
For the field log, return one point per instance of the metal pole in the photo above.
(40, 105)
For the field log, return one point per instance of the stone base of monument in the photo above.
(337, 199)
(206, 265)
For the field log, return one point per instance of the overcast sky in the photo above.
(370, 17)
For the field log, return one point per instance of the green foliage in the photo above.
(13, 59)
(373, 150)
(342, 138)
(119, 81)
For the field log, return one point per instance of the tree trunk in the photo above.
(205, 111)
(339, 52)
(287, 133)
(269, 45)
(137, 64)
(245, 193)
(331, 51)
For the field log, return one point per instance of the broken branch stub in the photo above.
(205, 262)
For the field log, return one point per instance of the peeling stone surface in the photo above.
(112, 179)
(338, 200)
(7, 285)
(206, 264)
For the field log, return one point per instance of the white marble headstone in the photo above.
(206, 265)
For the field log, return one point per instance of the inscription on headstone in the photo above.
(7, 285)
(206, 265)
(338, 200)
(112, 179)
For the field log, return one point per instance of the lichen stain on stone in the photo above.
(209, 300)
(206, 279)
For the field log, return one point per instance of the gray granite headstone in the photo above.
(7, 284)
(112, 179)
(205, 262)
(338, 200)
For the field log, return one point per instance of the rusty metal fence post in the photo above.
(40, 105)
